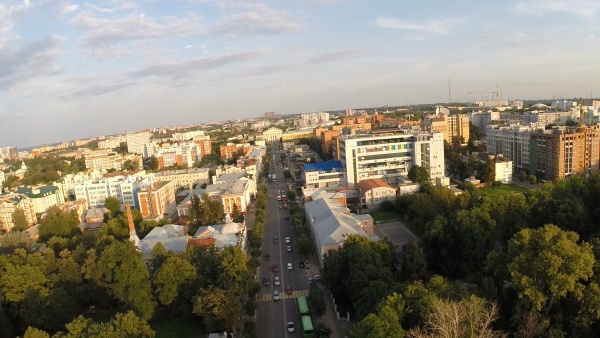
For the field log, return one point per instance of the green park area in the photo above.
(503, 189)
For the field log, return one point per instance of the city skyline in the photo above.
(72, 71)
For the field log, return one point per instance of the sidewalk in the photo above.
(329, 318)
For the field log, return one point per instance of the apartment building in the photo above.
(10, 203)
(228, 150)
(483, 118)
(42, 197)
(390, 154)
(453, 127)
(187, 135)
(125, 188)
(136, 142)
(510, 141)
(565, 151)
(158, 200)
(205, 144)
(104, 160)
(183, 178)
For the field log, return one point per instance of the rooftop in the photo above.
(331, 165)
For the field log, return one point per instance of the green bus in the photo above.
(302, 306)
(307, 328)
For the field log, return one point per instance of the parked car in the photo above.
(301, 265)
(314, 277)
(275, 294)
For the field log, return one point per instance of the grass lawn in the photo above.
(175, 327)
(502, 190)
(383, 216)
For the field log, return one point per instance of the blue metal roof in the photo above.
(323, 166)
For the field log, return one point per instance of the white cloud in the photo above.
(188, 47)
(431, 27)
(587, 9)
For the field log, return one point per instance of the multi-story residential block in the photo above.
(187, 135)
(565, 151)
(111, 143)
(228, 150)
(125, 188)
(454, 127)
(388, 155)
(205, 145)
(481, 119)
(136, 142)
(11, 153)
(183, 178)
(104, 160)
(323, 174)
(511, 142)
(158, 200)
(10, 203)
(542, 119)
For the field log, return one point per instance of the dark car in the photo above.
(301, 265)
(267, 256)
(276, 239)
(266, 281)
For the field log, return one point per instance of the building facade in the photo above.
(158, 200)
(12, 202)
(272, 134)
(136, 142)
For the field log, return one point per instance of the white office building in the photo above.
(389, 155)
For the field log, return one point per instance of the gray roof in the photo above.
(331, 222)
(174, 244)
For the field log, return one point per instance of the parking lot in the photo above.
(396, 231)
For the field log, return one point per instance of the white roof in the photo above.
(166, 231)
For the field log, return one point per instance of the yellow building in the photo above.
(454, 127)
(290, 135)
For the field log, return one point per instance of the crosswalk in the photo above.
(265, 297)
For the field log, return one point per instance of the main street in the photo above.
(272, 316)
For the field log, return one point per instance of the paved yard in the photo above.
(396, 231)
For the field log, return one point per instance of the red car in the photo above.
(275, 267)
(288, 290)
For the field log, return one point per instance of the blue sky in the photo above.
(79, 69)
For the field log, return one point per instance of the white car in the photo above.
(276, 281)
(289, 248)
(287, 240)
(289, 266)
(290, 326)
(275, 294)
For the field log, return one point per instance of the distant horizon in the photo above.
(56, 142)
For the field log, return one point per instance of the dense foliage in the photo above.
(532, 261)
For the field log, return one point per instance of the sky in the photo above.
(77, 69)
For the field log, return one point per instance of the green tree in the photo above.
(412, 262)
(487, 171)
(58, 223)
(19, 220)
(174, 274)
(113, 204)
(385, 323)
(122, 325)
(316, 300)
(32, 332)
(236, 215)
(126, 277)
(544, 267)
(153, 163)
(418, 174)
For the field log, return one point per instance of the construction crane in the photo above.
(496, 93)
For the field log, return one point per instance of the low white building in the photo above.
(224, 235)
(323, 174)
(42, 197)
(503, 170)
(331, 223)
(373, 192)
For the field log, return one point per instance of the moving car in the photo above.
(289, 266)
(276, 239)
(290, 326)
(267, 256)
(275, 295)
(277, 281)
(275, 267)
(266, 281)
(287, 240)
(289, 248)
(288, 290)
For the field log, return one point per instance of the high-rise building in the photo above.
(124, 188)
(136, 141)
(561, 152)
(388, 155)
(158, 200)
(104, 160)
(511, 142)
(454, 127)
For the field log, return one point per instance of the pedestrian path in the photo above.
(264, 297)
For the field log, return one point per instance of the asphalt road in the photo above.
(272, 316)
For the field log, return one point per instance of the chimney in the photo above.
(130, 219)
